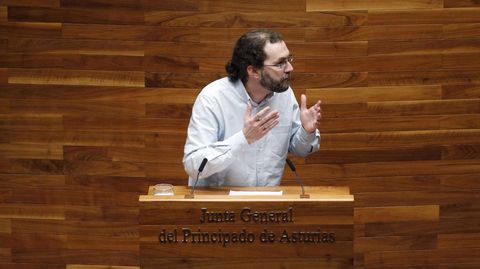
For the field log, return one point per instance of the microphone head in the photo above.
(291, 165)
(202, 165)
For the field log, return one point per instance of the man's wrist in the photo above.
(309, 131)
(249, 140)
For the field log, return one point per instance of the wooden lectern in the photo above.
(217, 230)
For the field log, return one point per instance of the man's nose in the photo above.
(289, 67)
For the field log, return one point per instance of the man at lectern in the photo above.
(245, 124)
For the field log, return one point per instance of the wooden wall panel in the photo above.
(3, 76)
(461, 30)
(95, 98)
(318, 5)
(374, 32)
(423, 46)
(74, 15)
(424, 16)
(460, 3)
(3, 45)
(250, 5)
(30, 29)
(3, 14)
(75, 77)
(31, 3)
(231, 19)
(75, 47)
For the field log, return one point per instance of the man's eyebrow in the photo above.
(282, 59)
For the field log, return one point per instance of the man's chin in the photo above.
(280, 89)
(284, 86)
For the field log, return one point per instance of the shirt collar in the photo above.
(242, 91)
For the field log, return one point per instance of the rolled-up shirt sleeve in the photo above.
(204, 140)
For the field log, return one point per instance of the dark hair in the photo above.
(249, 50)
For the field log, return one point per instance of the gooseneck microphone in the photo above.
(200, 169)
(299, 180)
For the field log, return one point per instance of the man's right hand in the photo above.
(258, 125)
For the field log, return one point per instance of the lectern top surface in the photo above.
(288, 193)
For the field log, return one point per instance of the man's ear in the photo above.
(253, 72)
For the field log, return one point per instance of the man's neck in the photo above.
(256, 92)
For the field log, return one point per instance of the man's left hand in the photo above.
(310, 117)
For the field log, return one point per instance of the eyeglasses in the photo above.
(282, 65)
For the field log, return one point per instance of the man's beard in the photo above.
(274, 85)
